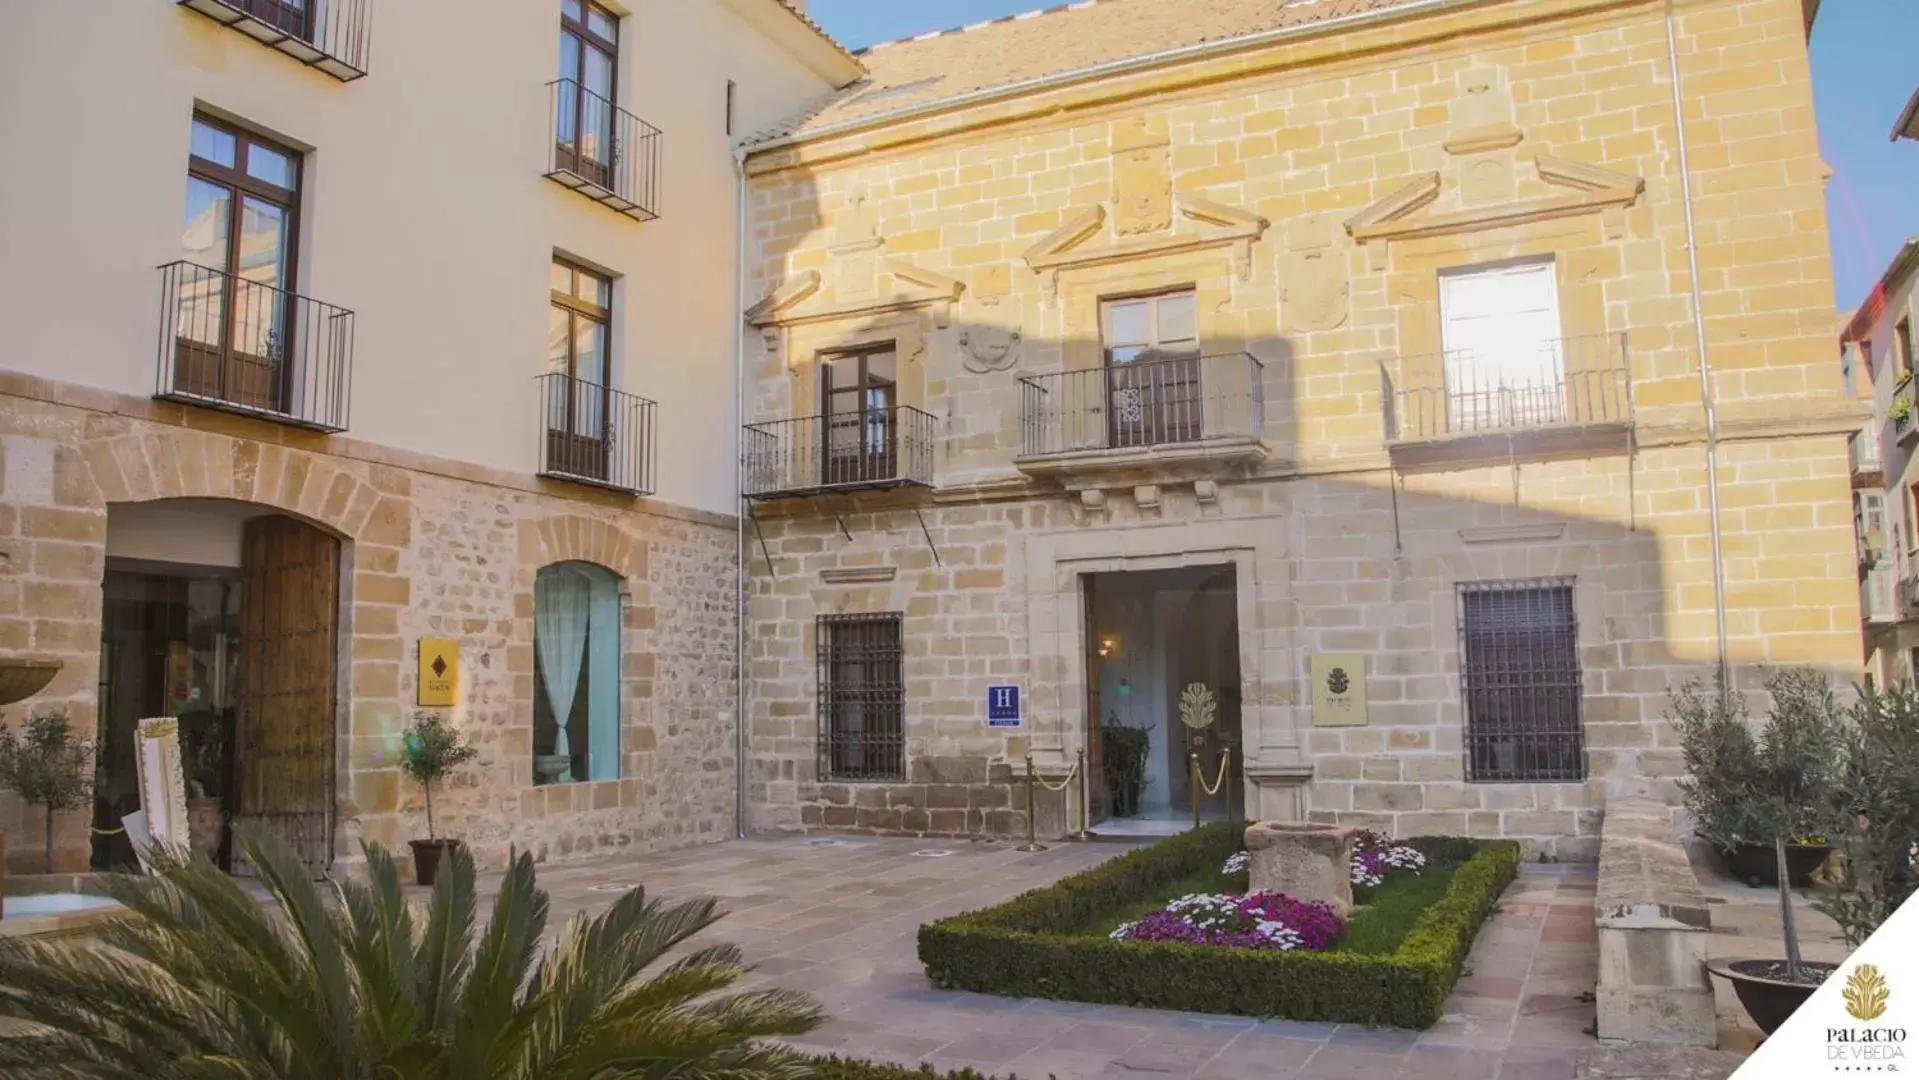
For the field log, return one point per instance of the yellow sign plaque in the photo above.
(1339, 689)
(439, 672)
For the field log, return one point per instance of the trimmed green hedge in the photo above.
(1026, 948)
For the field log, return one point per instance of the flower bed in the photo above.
(1398, 960)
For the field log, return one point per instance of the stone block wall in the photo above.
(435, 549)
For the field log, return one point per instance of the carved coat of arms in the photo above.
(988, 348)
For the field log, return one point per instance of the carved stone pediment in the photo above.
(1591, 189)
(1198, 224)
(903, 287)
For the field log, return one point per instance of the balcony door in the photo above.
(293, 17)
(1501, 338)
(589, 55)
(1152, 369)
(860, 440)
(578, 412)
(235, 294)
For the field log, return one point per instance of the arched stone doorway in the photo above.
(226, 616)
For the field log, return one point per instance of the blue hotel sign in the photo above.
(1002, 707)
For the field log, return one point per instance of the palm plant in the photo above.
(349, 983)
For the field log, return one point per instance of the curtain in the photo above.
(561, 600)
(603, 681)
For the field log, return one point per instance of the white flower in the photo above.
(1122, 930)
(1237, 864)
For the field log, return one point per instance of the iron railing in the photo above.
(1563, 382)
(334, 36)
(231, 343)
(1192, 399)
(870, 448)
(862, 696)
(602, 151)
(1902, 410)
(1520, 681)
(595, 434)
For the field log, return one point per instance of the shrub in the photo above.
(1027, 947)
(835, 1068)
(51, 768)
(1879, 789)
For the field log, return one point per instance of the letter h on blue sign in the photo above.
(1002, 703)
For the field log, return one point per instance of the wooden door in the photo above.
(289, 634)
(1096, 793)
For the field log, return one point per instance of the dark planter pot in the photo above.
(427, 856)
(1769, 1001)
(1756, 864)
(1126, 798)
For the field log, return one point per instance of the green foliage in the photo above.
(1878, 788)
(1031, 945)
(1747, 787)
(51, 768)
(203, 753)
(349, 983)
(1394, 908)
(1122, 755)
(1722, 757)
(431, 749)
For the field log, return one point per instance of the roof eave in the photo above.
(1908, 125)
(801, 37)
(1111, 67)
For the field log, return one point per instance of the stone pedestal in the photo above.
(1306, 862)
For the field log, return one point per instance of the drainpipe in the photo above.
(739, 499)
(1705, 364)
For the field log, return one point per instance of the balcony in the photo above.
(1878, 602)
(871, 449)
(244, 346)
(1569, 395)
(1186, 413)
(593, 434)
(332, 36)
(1868, 469)
(602, 151)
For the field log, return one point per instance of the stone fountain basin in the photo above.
(57, 914)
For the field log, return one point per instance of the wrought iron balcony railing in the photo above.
(227, 342)
(594, 434)
(1561, 383)
(871, 448)
(1144, 404)
(1902, 409)
(333, 36)
(602, 151)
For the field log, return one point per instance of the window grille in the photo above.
(862, 697)
(1520, 681)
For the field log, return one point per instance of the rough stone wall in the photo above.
(436, 549)
(1321, 139)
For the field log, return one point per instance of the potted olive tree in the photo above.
(431, 749)
(1722, 756)
(1792, 769)
(1877, 830)
(51, 768)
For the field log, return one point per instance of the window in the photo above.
(236, 301)
(589, 61)
(1912, 534)
(1519, 681)
(576, 674)
(1902, 342)
(1151, 350)
(858, 395)
(1500, 334)
(732, 93)
(862, 697)
(577, 405)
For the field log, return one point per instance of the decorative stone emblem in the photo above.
(1142, 176)
(1316, 287)
(989, 348)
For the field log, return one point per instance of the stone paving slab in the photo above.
(839, 921)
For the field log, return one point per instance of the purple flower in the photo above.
(1272, 921)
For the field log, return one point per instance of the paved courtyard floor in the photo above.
(837, 918)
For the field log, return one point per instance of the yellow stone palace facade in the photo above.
(1343, 357)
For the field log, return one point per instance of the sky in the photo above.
(1865, 63)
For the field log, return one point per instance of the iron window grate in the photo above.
(862, 696)
(1520, 681)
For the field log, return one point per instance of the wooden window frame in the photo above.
(865, 465)
(575, 453)
(578, 34)
(1902, 346)
(1163, 387)
(237, 178)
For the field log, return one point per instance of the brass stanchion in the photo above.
(1032, 811)
(1085, 806)
(1194, 784)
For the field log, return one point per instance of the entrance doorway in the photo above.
(1150, 635)
(226, 618)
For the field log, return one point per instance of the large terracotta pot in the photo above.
(205, 819)
(427, 855)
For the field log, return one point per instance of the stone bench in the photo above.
(1653, 926)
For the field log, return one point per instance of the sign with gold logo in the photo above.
(1866, 993)
(439, 672)
(1339, 689)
